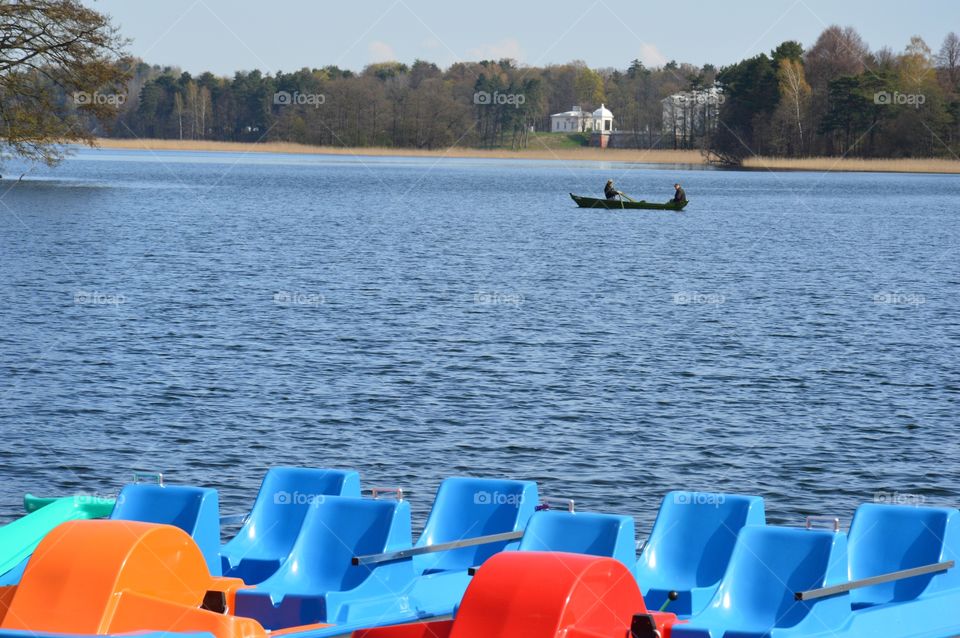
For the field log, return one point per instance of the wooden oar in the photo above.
(628, 197)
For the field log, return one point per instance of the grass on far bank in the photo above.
(554, 151)
(558, 141)
(551, 146)
(853, 164)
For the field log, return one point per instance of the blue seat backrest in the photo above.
(694, 536)
(582, 533)
(195, 510)
(471, 507)
(889, 538)
(282, 502)
(768, 566)
(335, 530)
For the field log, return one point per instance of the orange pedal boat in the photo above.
(108, 577)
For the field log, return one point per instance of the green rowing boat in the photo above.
(593, 202)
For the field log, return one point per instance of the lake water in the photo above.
(793, 335)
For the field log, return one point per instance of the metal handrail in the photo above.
(375, 492)
(547, 503)
(822, 592)
(370, 559)
(832, 520)
(154, 477)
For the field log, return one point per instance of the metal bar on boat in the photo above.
(153, 477)
(375, 492)
(833, 521)
(548, 502)
(874, 580)
(439, 547)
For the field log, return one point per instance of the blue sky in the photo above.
(224, 36)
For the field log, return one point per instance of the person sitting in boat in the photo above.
(679, 196)
(610, 191)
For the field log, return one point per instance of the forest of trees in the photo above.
(837, 97)
(395, 105)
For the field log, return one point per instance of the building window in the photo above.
(606, 125)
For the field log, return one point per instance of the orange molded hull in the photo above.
(100, 577)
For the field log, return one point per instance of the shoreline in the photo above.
(587, 154)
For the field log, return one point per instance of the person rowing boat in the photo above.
(679, 196)
(610, 191)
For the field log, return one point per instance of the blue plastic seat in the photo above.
(318, 583)
(470, 507)
(195, 510)
(767, 567)
(690, 547)
(268, 536)
(890, 538)
(466, 508)
(582, 533)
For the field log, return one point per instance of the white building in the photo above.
(572, 121)
(576, 120)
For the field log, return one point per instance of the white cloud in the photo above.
(508, 48)
(381, 52)
(650, 55)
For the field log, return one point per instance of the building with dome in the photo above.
(602, 120)
(602, 125)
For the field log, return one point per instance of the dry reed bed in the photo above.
(568, 154)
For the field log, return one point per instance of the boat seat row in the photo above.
(542, 595)
(149, 577)
(701, 541)
(319, 582)
(463, 508)
(771, 565)
(315, 580)
(153, 578)
(772, 587)
(306, 525)
(277, 516)
(728, 571)
(337, 529)
(301, 576)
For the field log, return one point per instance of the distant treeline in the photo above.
(487, 103)
(836, 98)
(839, 98)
